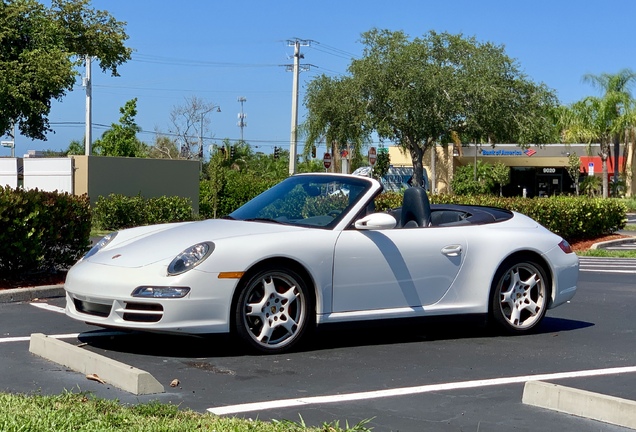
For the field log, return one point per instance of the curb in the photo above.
(581, 403)
(29, 294)
(121, 375)
(603, 245)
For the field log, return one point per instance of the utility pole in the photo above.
(242, 116)
(89, 116)
(293, 141)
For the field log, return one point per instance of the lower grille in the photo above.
(143, 312)
(95, 309)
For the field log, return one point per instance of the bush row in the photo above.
(573, 218)
(116, 212)
(41, 231)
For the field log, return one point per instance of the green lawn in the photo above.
(83, 412)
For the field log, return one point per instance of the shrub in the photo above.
(117, 212)
(573, 218)
(41, 231)
(232, 191)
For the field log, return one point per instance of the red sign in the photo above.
(326, 160)
(373, 156)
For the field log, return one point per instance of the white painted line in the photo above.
(28, 338)
(403, 391)
(65, 336)
(49, 307)
(607, 271)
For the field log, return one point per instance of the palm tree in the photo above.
(602, 119)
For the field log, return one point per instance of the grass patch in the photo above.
(84, 412)
(603, 253)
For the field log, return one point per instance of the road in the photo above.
(407, 378)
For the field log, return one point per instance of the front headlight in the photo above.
(160, 292)
(100, 245)
(190, 258)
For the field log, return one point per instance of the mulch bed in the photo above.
(40, 279)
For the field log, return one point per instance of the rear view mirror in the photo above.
(376, 221)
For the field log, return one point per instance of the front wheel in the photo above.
(520, 295)
(274, 310)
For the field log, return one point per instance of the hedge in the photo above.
(573, 218)
(116, 212)
(41, 231)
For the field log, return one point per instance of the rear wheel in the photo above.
(274, 310)
(520, 294)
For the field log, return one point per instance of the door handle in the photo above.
(452, 250)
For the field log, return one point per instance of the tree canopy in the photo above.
(602, 119)
(417, 92)
(40, 50)
(121, 139)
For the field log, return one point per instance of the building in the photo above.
(535, 171)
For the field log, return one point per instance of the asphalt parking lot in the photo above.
(416, 377)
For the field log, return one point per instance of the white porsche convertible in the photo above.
(313, 251)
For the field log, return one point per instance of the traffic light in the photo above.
(276, 152)
(313, 152)
(232, 152)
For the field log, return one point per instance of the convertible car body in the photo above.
(312, 251)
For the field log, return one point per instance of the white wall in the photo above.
(9, 172)
(49, 174)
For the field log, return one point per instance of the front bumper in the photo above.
(101, 295)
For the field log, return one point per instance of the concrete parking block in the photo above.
(581, 403)
(118, 374)
(15, 295)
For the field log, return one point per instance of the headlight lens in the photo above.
(160, 292)
(100, 245)
(190, 258)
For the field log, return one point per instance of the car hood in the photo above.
(141, 246)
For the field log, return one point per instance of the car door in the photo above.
(395, 268)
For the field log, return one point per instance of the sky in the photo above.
(222, 50)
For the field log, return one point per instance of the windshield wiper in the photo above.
(260, 219)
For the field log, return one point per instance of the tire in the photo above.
(520, 295)
(274, 310)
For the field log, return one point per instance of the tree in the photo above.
(336, 113)
(382, 163)
(602, 119)
(574, 170)
(500, 175)
(163, 148)
(121, 139)
(75, 148)
(465, 183)
(40, 51)
(418, 92)
(189, 125)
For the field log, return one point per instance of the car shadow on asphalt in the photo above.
(328, 337)
(429, 330)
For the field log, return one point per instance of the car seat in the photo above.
(416, 208)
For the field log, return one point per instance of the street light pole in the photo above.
(203, 114)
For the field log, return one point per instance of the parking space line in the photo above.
(28, 338)
(48, 307)
(403, 391)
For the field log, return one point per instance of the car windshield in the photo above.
(308, 200)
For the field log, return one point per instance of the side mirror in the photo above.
(376, 221)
